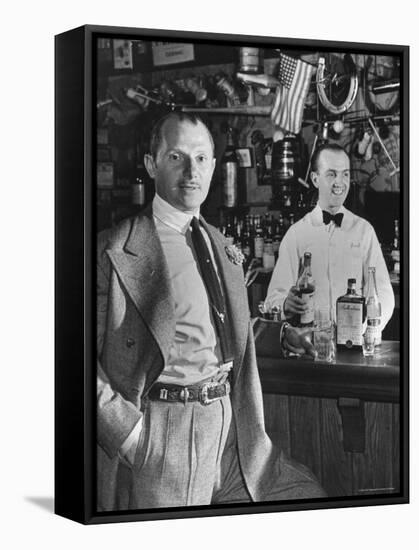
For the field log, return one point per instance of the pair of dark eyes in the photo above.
(333, 174)
(177, 157)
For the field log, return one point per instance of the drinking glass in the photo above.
(324, 336)
(368, 343)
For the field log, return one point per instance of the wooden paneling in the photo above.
(310, 430)
(378, 452)
(305, 431)
(336, 472)
(396, 447)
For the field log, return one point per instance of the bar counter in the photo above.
(352, 375)
(341, 419)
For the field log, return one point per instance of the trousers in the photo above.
(187, 455)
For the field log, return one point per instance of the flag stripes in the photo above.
(295, 76)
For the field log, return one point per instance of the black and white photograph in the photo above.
(248, 314)
(209, 333)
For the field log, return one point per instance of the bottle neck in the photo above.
(307, 265)
(372, 285)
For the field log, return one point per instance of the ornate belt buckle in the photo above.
(203, 393)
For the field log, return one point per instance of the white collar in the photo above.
(171, 216)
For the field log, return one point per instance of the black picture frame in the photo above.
(75, 230)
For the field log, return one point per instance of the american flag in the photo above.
(294, 76)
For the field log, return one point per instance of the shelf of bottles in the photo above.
(257, 236)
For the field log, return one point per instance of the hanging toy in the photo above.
(364, 143)
(338, 126)
(368, 152)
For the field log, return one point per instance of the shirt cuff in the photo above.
(284, 327)
(130, 440)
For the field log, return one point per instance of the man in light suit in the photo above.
(180, 419)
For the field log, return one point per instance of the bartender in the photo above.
(342, 244)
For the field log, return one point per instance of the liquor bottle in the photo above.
(229, 171)
(268, 259)
(258, 242)
(246, 245)
(281, 225)
(395, 253)
(276, 240)
(301, 205)
(305, 290)
(229, 231)
(350, 314)
(238, 230)
(373, 306)
(267, 226)
(138, 187)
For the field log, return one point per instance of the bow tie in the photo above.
(337, 218)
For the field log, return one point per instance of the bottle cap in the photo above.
(351, 282)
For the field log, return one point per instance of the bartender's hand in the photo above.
(293, 304)
(298, 340)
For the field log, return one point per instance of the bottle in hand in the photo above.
(305, 290)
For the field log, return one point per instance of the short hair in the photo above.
(156, 136)
(334, 147)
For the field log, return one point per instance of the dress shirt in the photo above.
(337, 254)
(195, 354)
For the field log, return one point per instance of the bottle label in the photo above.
(268, 260)
(308, 316)
(374, 327)
(349, 324)
(259, 245)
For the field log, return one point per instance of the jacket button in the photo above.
(130, 342)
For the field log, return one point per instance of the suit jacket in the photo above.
(135, 329)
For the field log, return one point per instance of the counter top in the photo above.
(353, 375)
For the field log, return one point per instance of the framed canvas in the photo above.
(175, 399)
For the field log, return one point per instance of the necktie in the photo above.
(213, 287)
(337, 218)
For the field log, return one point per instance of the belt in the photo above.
(204, 393)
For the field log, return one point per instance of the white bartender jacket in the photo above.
(337, 254)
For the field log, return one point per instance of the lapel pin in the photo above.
(234, 254)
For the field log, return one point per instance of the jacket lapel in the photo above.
(143, 270)
(234, 291)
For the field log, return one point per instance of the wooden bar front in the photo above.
(342, 419)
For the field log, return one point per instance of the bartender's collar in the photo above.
(171, 216)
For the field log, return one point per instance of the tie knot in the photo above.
(194, 223)
(328, 217)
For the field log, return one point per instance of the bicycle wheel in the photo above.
(337, 83)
